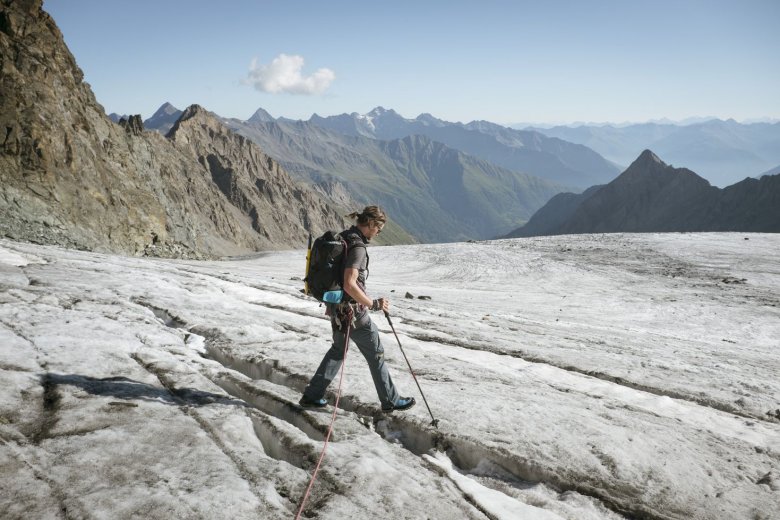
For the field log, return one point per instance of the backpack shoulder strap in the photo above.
(353, 240)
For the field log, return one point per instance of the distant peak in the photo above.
(381, 111)
(649, 164)
(166, 109)
(430, 118)
(648, 157)
(261, 116)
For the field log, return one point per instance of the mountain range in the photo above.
(522, 151)
(435, 192)
(723, 152)
(651, 196)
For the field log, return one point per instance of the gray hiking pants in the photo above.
(365, 335)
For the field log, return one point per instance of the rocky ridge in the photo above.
(280, 209)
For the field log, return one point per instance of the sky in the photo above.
(509, 62)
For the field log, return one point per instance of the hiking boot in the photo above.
(403, 403)
(313, 403)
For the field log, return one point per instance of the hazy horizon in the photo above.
(518, 125)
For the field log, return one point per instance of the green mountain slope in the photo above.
(436, 193)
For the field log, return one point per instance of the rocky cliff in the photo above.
(71, 176)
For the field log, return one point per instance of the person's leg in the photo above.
(329, 367)
(366, 337)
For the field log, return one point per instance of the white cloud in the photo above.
(283, 75)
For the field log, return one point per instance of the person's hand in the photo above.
(381, 304)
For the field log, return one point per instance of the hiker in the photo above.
(354, 310)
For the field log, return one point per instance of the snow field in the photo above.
(573, 377)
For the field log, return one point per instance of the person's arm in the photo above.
(352, 288)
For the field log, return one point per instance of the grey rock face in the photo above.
(70, 176)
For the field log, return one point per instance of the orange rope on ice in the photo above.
(330, 428)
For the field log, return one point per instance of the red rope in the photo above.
(330, 428)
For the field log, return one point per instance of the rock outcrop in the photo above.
(71, 176)
(132, 125)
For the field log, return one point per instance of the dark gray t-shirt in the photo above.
(357, 256)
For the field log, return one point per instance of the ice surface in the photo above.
(577, 377)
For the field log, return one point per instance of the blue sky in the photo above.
(548, 61)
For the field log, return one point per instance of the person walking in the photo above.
(354, 312)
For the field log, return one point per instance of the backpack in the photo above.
(325, 267)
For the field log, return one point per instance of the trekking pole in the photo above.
(434, 421)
